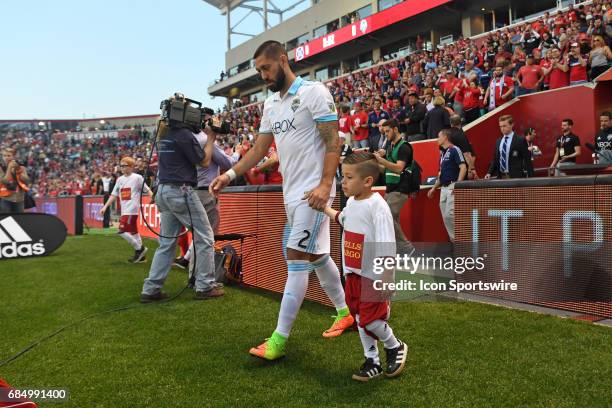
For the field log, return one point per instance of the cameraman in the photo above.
(219, 162)
(178, 155)
(14, 182)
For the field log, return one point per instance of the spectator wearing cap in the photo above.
(529, 77)
(447, 85)
(359, 127)
(585, 43)
(577, 66)
(452, 169)
(436, 119)
(374, 119)
(415, 113)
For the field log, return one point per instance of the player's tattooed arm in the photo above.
(329, 133)
(318, 197)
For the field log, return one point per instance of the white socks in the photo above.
(131, 240)
(369, 343)
(383, 331)
(329, 278)
(295, 290)
(138, 240)
(187, 255)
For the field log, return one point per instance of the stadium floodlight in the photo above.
(41, 124)
(102, 121)
(260, 7)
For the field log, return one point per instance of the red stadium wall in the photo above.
(542, 111)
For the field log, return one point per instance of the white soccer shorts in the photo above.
(307, 230)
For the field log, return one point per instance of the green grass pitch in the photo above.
(195, 354)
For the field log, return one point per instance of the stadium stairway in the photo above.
(543, 111)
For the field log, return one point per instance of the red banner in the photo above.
(152, 217)
(91, 211)
(392, 15)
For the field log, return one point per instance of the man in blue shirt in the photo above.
(431, 64)
(219, 162)
(179, 153)
(374, 119)
(452, 169)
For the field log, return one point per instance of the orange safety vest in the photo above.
(5, 192)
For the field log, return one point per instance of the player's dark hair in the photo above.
(367, 165)
(607, 113)
(568, 121)
(271, 49)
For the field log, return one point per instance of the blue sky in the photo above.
(96, 58)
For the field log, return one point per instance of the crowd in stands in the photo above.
(421, 91)
(471, 76)
(71, 167)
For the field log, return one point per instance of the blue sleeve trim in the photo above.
(327, 118)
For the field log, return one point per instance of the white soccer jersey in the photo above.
(292, 120)
(128, 190)
(368, 234)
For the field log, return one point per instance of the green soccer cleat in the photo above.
(271, 349)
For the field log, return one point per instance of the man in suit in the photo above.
(511, 158)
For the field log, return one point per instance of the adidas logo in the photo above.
(15, 242)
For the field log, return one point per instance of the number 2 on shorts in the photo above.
(301, 243)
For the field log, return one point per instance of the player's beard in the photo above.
(279, 81)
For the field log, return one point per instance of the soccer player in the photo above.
(300, 116)
(129, 188)
(368, 237)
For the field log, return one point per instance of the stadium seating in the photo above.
(65, 167)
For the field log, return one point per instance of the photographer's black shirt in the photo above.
(178, 154)
(567, 145)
